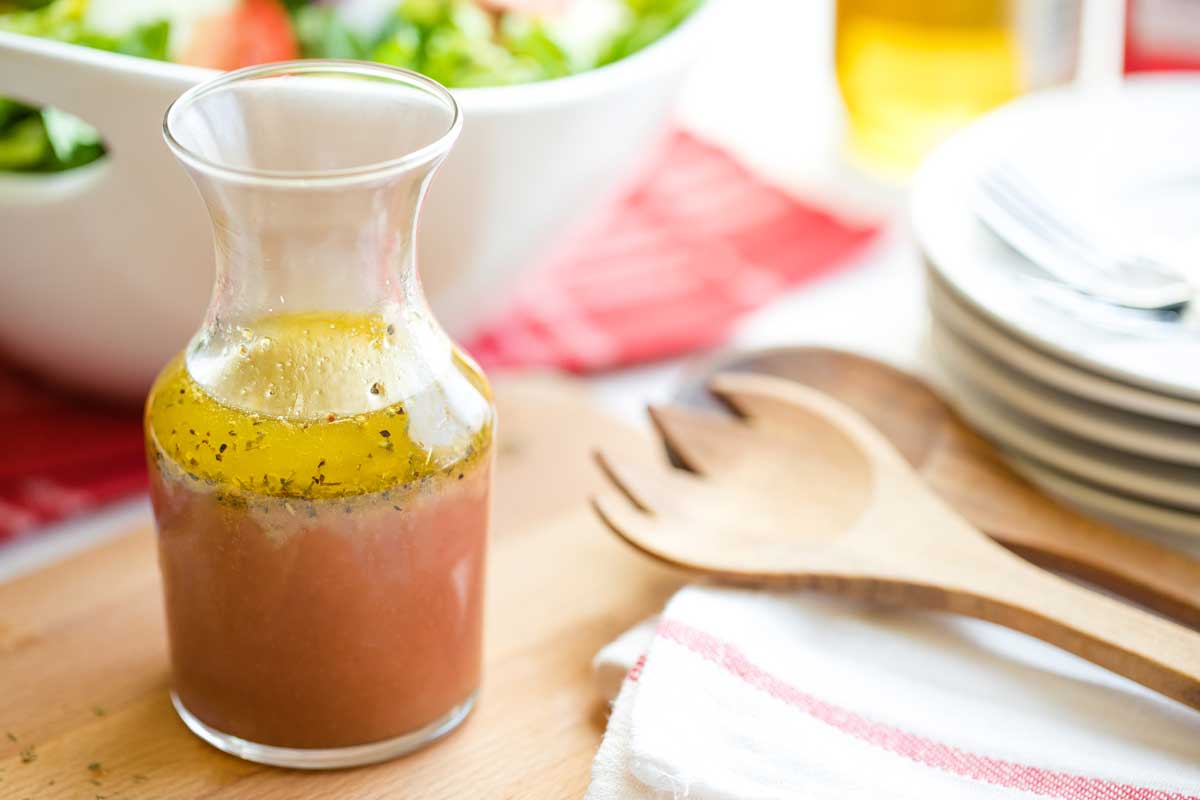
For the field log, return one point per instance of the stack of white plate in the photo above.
(1101, 405)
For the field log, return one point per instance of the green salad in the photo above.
(460, 43)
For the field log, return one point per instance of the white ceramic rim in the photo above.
(927, 225)
(515, 98)
(1130, 433)
(946, 305)
(1126, 511)
(1155, 482)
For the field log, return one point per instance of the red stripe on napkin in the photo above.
(923, 750)
(668, 270)
(635, 672)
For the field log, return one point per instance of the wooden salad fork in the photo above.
(968, 472)
(801, 492)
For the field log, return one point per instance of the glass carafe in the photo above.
(320, 453)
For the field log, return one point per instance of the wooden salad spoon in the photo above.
(969, 473)
(802, 492)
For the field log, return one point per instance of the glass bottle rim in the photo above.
(322, 67)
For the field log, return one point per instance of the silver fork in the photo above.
(1019, 214)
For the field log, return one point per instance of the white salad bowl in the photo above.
(106, 269)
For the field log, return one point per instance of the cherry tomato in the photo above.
(253, 32)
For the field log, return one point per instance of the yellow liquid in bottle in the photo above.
(251, 440)
(911, 72)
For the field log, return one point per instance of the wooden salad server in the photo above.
(969, 473)
(802, 492)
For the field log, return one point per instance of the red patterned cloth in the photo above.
(668, 270)
(62, 454)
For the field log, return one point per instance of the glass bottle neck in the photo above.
(316, 308)
(281, 251)
(313, 174)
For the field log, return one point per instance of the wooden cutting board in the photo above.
(84, 711)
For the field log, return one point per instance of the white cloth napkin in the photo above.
(744, 695)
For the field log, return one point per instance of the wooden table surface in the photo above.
(84, 711)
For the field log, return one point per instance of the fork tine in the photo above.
(1014, 194)
(650, 487)
(797, 412)
(642, 532)
(701, 440)
(757, 397)
(624, 519)
(779, 404)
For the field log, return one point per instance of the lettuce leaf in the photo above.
(322, 35)
(145, 41)
(23, 144)
(60, 19)
(47, 139)
(650, 21)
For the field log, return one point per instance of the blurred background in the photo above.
(639, 182)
